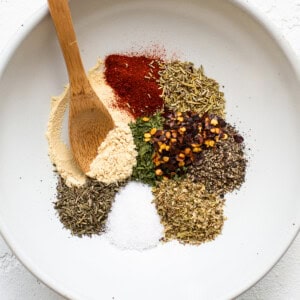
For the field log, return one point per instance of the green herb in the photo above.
(185, 87)
(84, 210)
(187, 212)
(144, 170)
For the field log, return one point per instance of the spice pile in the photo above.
(144, 170)
(185, 87)
(182, 140)
(133, 222)
(223, 169)
(189, 213)
(134, 80)
(84, 209)
(163, 172)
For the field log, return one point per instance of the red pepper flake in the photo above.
(182, 140)
(133, 79)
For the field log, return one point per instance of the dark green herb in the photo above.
(144, 170)
(84, 210)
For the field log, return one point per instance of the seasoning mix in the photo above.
(164, 173)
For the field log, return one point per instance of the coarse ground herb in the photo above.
(185, 87)
(188, 213)
(144, 170)
(223, 168)
(84, 210)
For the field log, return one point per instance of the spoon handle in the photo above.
(61, 16)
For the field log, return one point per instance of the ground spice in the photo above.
(185, 87)
(133, 79)
(223, 168)
(106, 93)
(84, 210)
(188, 213)
(116, 156)
(59, 153)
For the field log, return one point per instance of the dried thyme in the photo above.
(185, 87)
(222, 169)
(144, 170)
(188, 213)
(84, 210)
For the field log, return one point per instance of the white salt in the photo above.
(133, 222)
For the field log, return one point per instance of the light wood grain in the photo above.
(89, 120)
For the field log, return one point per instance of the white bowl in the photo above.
(261, 80)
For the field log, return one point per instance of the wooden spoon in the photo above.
(89, 120)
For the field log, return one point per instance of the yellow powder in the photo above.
(116, 156)
(59, 153)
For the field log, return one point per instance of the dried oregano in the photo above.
(185, 87)
(84, 210)
(188, 213)
(144, 170)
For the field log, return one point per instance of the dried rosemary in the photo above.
(144, 170)
(84, 210)
(188, 213)
(223, 168)
(185, 87)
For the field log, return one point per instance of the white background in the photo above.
(283, 282)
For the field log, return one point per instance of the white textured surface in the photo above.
(283, 282)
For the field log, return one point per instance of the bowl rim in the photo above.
(8, 51)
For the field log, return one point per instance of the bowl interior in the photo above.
(262, 92)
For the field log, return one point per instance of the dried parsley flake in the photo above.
(144, 171)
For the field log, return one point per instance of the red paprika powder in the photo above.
(133, 79)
